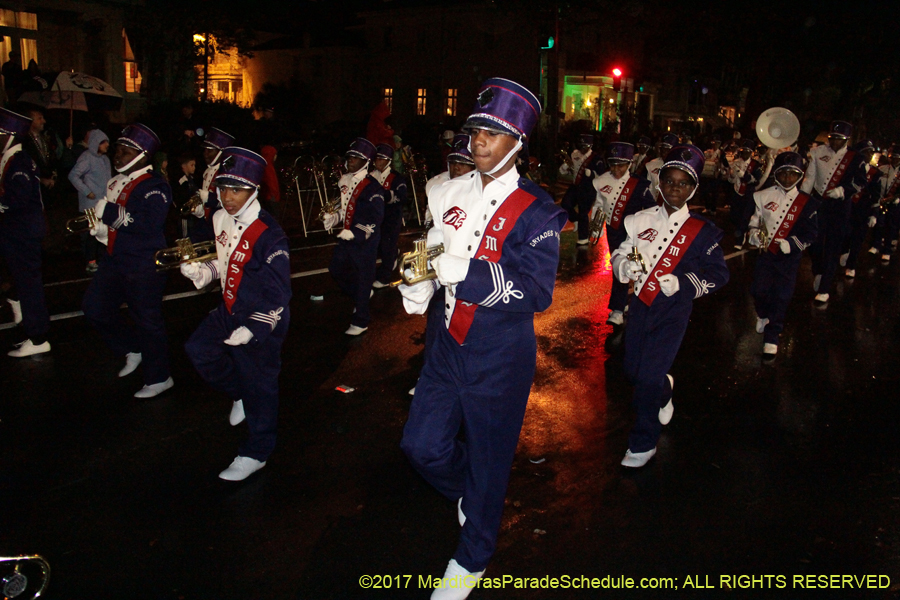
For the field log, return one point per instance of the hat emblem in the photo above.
(485, 97)
(686, 155)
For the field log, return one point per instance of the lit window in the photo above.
(389, 98)
(132, 75)
(21, 27)
(451, 102)
(420, 101)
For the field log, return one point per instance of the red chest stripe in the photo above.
(122, 200)
(239, 258)
(619, 209)
(491, 248)
(751, 166)
(351, 205)
(790, 219)
(839, 171)
(670, 258)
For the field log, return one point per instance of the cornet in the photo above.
(418, 262)
(83, 223)
(635, 256)
(332, 207)
(188, 207)
(184, 252)
(597, 224)
(763, 236)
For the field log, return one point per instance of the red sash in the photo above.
(500, 224)
(616, 219)
(790, 219)
(870, 175)
(750, 167)
(122, 200)
(351, 205)
(239, 258)
(388, 181)
(895, 186)
(839, 171)
(682, 241)
(581, 169)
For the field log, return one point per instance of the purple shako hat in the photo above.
(748, 144)
(586, 139)
(140, 137)
(384, 151)
(840, 129)
(620, 152)
(240, 168)
(13, 123)
(504, 106)
(866, 144)
(788, 160)
(460, 151)
(688, 158)
(362, 148)
(644, 140)
(218, 139)
(670, 139)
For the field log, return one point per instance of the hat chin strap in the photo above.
(9, 142)
(246, 204)
(133, 162)
(503, 162)
(663, 196)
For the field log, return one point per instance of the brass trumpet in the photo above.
(597, 224)
(184, 252)
(418, 262)
(188, 207)
(635, 256)
(763, 236)
(83, 223)
(331, 207)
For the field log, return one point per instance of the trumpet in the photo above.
(184, 252)
(635, 256)
(763, 236)
(331, 207)
(418, 262)
(15, 572)
(597, 223)
(83, 223)
(188, 207)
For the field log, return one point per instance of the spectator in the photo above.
(270, 191)
(89, 176)
(378, 131)
(13, 77)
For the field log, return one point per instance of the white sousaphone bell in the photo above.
(778, 128)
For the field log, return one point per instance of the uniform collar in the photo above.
(380, 176)
(250, 211)
(17, 147)
(508, 179)
(135, 174)
(681, 213)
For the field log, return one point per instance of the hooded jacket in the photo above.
(91, 172)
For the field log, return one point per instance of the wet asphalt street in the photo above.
(788, 469)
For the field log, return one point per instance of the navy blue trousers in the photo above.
(887, 230)
(774, 279)
(618, 295)
(248, 373)
(480, 389)
(387, 247)
(23, 259)
(353, 269)
(741, 211)
(114, 284)
(834, 227)
(578, 205)
(859, 228)
(652, 340)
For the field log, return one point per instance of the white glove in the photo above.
(201, 275)
(100, 207)
(785, 246)
(239, 337)
(872, 221)
(331, 219)
(346, 235)
(101, 232)
(450, 269)
(896, 200)
(199, 211)
(204, 195)
(754, 238)
(629, 270)
(835, 193)
(668, 284)
(416, 297)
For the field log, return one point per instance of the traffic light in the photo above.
(617, 79)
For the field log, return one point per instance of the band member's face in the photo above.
(489, 148)
(642, 148)
(836, 142)
(234, 199)
(895, 161)
(209, 155)
(457, 168)
(745, 154)
(382, 163)
(676, 186)
(664, 150)
(788, 177)
(124, 155)
(618, 169)
(355, 163)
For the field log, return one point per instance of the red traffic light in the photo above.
(617, 72)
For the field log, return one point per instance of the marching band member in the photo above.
(22, 229)
(862, 211)
(582, 153)
(459, 162)
(684, 262)
(237, 348)
(653, 167)
(579, 198)
(395, 198)
(362, 208)
(638, 166)
(889, 216)
(710, 176)
(789, 217)
(501, 238)
(745, 174)
(833, 175)
(619, 195)
(216, 140)
(132, 220)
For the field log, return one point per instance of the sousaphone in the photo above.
(778, 128)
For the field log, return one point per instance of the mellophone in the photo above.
(184, 252)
